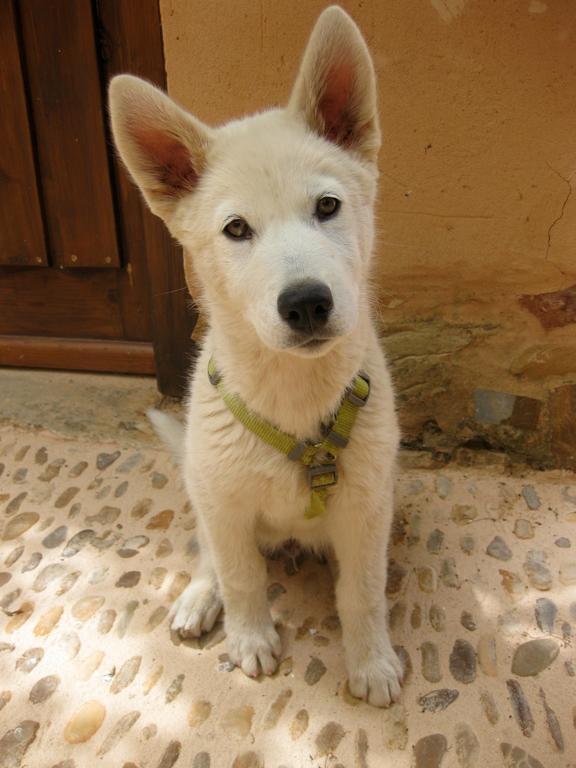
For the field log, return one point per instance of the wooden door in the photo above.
(89, 280)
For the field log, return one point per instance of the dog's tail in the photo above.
(169, 430)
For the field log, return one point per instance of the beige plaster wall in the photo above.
(478, 110)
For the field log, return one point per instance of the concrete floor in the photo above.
(97, 540)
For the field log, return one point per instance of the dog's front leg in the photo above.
(360, 540)
(253, 642)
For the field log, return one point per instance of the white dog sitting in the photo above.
(286, 437)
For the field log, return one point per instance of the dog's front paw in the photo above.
(254, 649)
(197, 609)
(377, 679)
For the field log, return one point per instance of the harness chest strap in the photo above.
(318, 458)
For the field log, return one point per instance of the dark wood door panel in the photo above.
(65, 96)
(74, 303)
(21, 227)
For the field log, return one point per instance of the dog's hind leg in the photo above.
(198, 607)
(360, 545)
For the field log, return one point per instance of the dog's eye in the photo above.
(238, 229)
(327, 207)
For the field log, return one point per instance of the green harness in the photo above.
(318, 458)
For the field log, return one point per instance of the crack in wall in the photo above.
(560, 216)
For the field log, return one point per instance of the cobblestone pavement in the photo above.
(96, 542)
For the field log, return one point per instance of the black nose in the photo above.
(305, 307)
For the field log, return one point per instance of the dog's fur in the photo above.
(270, 169)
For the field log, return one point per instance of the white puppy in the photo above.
(275, 213)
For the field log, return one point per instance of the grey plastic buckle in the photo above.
(315, 479)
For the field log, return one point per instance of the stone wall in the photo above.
(475, 267)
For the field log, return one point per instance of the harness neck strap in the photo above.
(319, 459)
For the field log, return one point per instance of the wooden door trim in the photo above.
(77, 354)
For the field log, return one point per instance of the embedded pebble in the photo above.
(537, 571)
(523, 529)
(532, 657)
(427, 578)
(77, 469)
(463, 662)
(448, 574)
(30, 659)
(43, 689)
(106, 516)
(86, 607)
(405, 660)
(568, 574)
(437, 617)
(489, 707)
(68, 582)
(443, 486)
(41, 456)
(435, 541)
(467, 544)
(129, 579)
(467, 746)
(141, 508)
(85, 722)
(199, 712)
(14, 505)
(97, 576)
(514, 757)
(152, 679)
(157, 577)
(467, 621)
(126, 674)
(416, 617)
(512, 583)
(462, 514)
(158, 480)
(161, 521)
(9, 598)
(106, 621)
(276, 709)
(553, 723)
(131, 546)
(314, 671)
(329, 738)
(487, 655)
(51, 471)
(531, 497)
(5, 578)
(249, 760)
(201, 760)
(14, 555)
(19, 525)
(563, 542)
(69, 644)
(90, 665)
(430, 750)
(121, 489)
(48, 621)
(78, 542)
(397, 615)
(396, 577)
(545, 612)
(118, 731)
(126, 617)
(104, 460)
(238, 721)
(499, 549)
(299, 724)
(179, 584)
(430, 662)
(56, 537)
(164, 548)
(439, 700)
(5, 697)
(66, 497)
(19, 617)
(156, 617)
(33, 562)
(520, 707)
(175, 688)
(14, 744)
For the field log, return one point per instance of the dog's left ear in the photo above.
(335, 91)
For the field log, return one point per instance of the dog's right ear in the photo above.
(163, 147)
